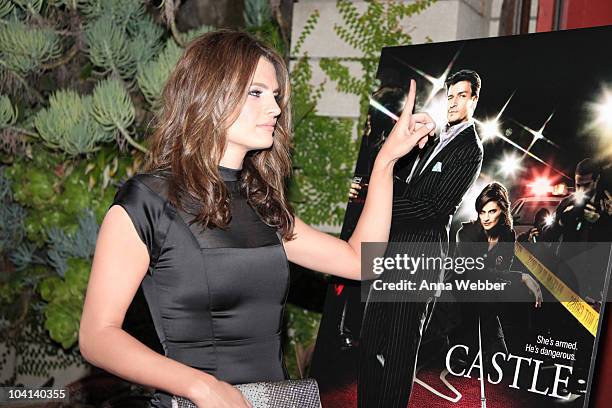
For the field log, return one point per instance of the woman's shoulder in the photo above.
(144, 199)
(150, 185)
(144, 195)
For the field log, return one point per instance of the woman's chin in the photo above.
(262, 145)
(265, 146)
(270, 143)
(265, 141)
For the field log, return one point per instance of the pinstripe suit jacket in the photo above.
(423, 208)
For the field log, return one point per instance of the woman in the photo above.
(208, 229)
(490, 236)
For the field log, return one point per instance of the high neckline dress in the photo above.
(216, 296)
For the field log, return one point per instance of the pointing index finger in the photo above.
(409, 105)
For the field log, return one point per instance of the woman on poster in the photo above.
(490, 236)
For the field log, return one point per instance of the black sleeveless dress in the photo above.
(216, 296)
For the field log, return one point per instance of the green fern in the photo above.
(152, 76)
(69, 4)
(122, 13)
(340, 73)
(309, 27)
(12, 228)
(67, 124)
(6, 8)
(108, 47)
(256, 13)
(81, 244)
(320, 181)
(24, 49)
(112, 107)
(8, 114)
(31, 7)
(317, 188)
(145, 40)
(377, 27)
(190, 35)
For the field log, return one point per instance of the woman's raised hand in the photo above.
(410, 130)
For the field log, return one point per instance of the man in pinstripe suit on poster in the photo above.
(423, 206)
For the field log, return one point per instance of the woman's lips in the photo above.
(269, 128)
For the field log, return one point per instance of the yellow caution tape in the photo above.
(581, 310)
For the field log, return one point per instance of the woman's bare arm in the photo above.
(120, 263)
(325, 253)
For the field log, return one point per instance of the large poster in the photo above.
(542, 113)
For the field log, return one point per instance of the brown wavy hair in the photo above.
(496, 192)
(201, 99)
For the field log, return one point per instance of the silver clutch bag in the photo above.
(281, 394)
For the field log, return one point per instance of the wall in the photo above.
(445, 20)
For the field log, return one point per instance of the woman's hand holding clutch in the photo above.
(219, 394)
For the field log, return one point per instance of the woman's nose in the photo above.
(274, 109)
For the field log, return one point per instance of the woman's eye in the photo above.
(255, 92)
